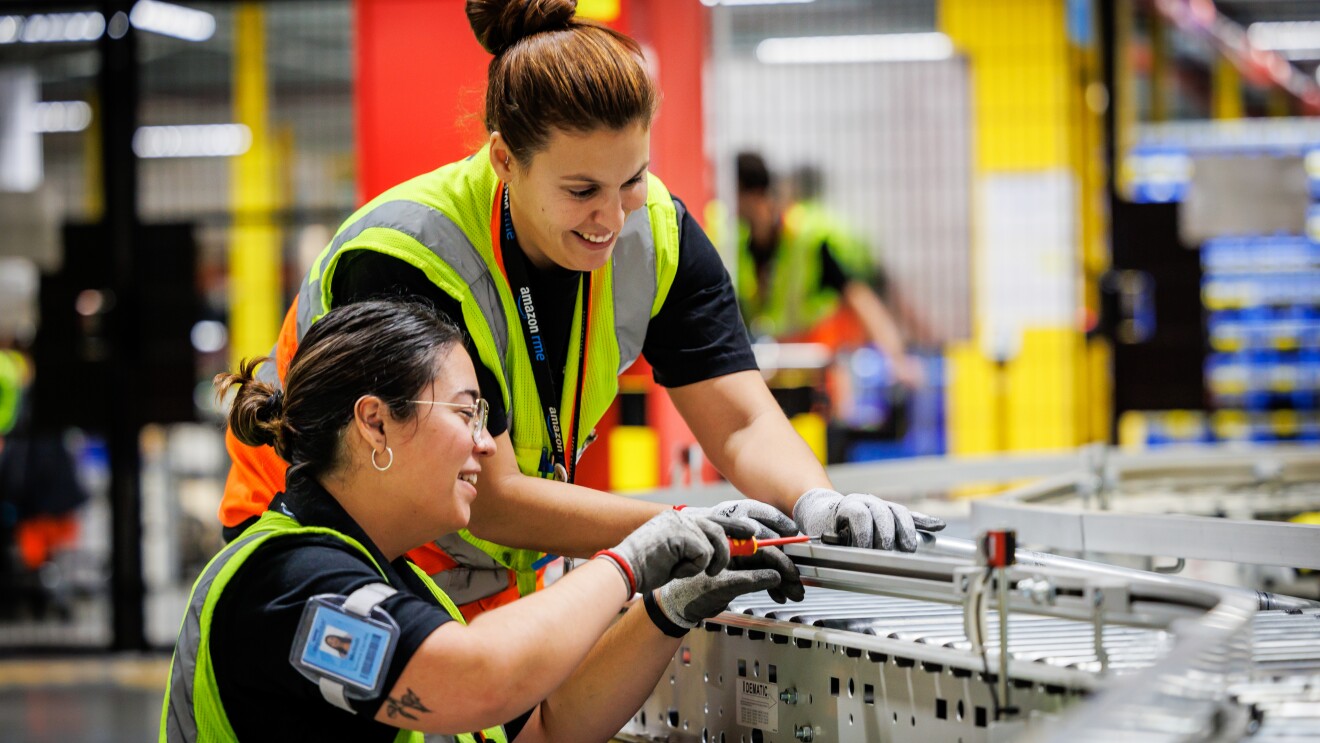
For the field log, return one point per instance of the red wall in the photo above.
(420, 77)
(675, 34)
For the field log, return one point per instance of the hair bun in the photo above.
(499, 24)
(272, 407)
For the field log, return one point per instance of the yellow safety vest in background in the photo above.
(793, 300)
(13, 376)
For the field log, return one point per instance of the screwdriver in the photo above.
(744, 547)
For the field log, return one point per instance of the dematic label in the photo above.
(758, 705)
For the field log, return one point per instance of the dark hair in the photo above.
(386, 348)
(552, 71)
(753, 175)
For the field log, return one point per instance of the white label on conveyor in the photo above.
(758, 705)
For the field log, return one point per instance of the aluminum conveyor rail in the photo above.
(879, 651)
(1158, 506)
(963, 549)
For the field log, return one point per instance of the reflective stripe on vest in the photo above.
(430, 228)
(192, 709)
(477, 575)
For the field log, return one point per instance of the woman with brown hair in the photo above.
(313, 626)
(565, 260)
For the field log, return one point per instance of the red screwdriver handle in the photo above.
(742, 547)
(745, 547)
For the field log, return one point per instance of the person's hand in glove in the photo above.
(768, 521)
(870, 521)
(674, 545)
(680, 605)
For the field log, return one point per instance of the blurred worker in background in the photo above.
(565, 260)
(13, 379)
(40, 498)
(313, 626)
(798, 266)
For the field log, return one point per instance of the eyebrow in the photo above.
(588, 179)
(474, 394)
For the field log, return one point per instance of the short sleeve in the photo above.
(257, 618)
(698, 334)
(832, 274)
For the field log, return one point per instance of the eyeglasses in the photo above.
(477, 413)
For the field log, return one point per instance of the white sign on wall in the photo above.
(1026, 273)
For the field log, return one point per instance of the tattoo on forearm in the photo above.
(399, 707)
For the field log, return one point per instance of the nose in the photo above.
(485, 444)
(612, 214)
(634, 198)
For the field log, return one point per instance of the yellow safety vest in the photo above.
(192, 711)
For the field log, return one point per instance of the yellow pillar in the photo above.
(814, 430)
(1024, 381)
(255, 298)
(1226, 96)
(634, 459)
(605, 11)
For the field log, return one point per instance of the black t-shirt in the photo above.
(698, 334)
(257, 616)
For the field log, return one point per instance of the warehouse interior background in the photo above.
(1098, 222)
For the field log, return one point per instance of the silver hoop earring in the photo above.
(387, 464)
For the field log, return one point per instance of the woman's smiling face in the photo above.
(436, 460)
(570, 201)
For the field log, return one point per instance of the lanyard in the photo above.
(564, 466)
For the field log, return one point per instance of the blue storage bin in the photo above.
(1227, 331)
(1226, 378)
(871, 377)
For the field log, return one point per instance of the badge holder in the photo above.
(344, 644)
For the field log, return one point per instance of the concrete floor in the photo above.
(92, 699)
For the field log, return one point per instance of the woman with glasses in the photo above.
(313, 626)
(565, 260)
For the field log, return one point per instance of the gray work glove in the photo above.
(768, 521)
(675, 545)
(867, 520)
(687, 601)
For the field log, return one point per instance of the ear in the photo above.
(369, 414)
(501, 157)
